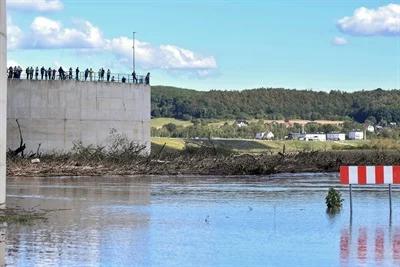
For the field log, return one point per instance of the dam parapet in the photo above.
(55, 114)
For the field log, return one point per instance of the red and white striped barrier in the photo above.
(370, 174)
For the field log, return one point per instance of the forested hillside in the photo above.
(276, 103)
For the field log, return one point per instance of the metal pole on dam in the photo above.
(3, 101)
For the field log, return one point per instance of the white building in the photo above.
(297, 136)
(265, 135)
(315, 137)
(356, 135)
(336, 136)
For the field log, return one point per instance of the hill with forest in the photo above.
(377, 106)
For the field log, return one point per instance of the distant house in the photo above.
(265, 135)
(370, 129)
(356, 135)
(308, 136)
(393, 124)
(315, 137)
(297, 136)
(241, 123)
(336, 136)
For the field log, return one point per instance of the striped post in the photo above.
(362, 175)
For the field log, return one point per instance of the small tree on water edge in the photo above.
(333, 200)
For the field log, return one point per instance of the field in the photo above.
(160, 122)
(264, 146)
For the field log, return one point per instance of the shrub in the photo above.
(333, 200)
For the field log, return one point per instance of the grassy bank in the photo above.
(275, 146)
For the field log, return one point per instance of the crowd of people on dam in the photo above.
(87, 75)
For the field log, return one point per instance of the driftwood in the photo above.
(22, 146)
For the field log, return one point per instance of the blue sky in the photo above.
(319, 45)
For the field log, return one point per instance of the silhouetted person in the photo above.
(134, 78)
(27, 73)
(36, 73)
(10, 72)
(70, 73)
(102, 74)
(147, 78)
(86, 74)
(77, 74)
(123, 79)
(112, 79)
(60, 73)
(108, 75)
(54, 74)
(42, 70)
(49, 72)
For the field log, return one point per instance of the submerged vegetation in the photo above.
(333, 200)
(20, 216)
(196, 157)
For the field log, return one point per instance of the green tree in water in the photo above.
(333, 200)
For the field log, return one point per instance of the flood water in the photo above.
(200, 221)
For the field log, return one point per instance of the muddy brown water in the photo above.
(275, 220)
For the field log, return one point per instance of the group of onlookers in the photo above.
(50, 74)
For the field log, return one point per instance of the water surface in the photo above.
(200, 221)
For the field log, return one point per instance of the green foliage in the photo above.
(333, 200)
(276, 103)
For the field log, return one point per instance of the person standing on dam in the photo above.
(134, 79)
(91, 74)
(77, 74)
(147, 78)
(70, 73)
(108, 75)
(10, 72)
(42, 70)
(86, 74)
(36, 73)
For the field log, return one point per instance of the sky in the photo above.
(224, 45)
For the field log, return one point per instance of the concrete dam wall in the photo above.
(57, 113)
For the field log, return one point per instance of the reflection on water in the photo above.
(191, 221)
(376, 246)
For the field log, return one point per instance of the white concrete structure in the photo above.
(356, 135)
(308, 136)
(315, 137)
(56, 114)
(3, 101)
(336, 136)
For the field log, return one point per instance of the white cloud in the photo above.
(35, 5)
(168, 57)
(339, 41)
(49, 34)
(45, 33)
(383, 21)
(14, 34)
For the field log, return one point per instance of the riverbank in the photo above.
(200, 163)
